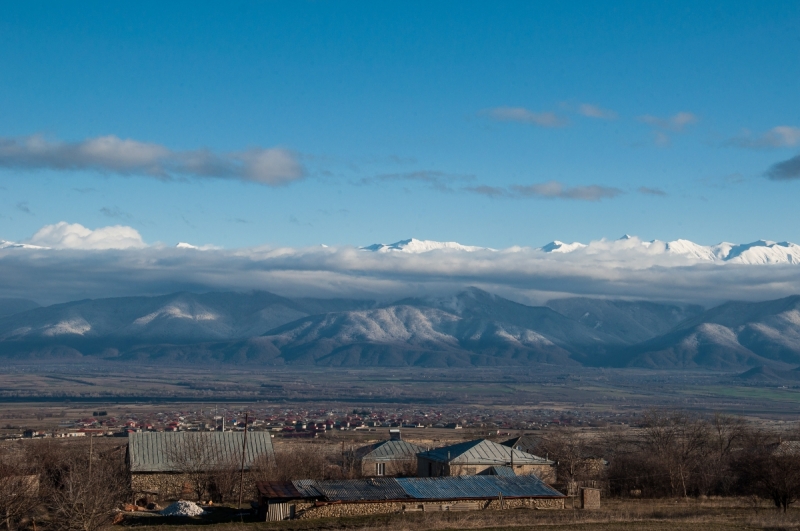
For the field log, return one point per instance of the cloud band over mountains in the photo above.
(81, 264)
(111, 154)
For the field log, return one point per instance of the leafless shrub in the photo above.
(293, 462)
(83, 489)
(19, 489)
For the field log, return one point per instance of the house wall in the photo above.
(394, 467)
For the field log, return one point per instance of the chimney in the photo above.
(394, 435)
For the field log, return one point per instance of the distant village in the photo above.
(307, 423)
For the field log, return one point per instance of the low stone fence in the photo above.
(336, 510)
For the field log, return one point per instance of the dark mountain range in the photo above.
(12, 306)
(731, 336)
(472, 328)
(627, 321)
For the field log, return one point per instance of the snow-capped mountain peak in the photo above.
(420, 246)
(560, 247)
(5, 244)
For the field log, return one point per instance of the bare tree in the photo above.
(223, 480)
(402, 467)
(571, 453)
(678, 442)
(18, 489)
(193, 455)
(294, 462)
(86, 493)
(770, 468)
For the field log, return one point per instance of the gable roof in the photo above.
(525, 443)
(390, 450)
(482, 452)
(172, 451)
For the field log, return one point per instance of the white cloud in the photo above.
(548, 190)
(557, 190)
(523, 115)
(676, 123)
(780, 136)
(63, 235)
(593, 111)
(110, 154)
(619, 268)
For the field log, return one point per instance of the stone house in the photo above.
(394, 457)
(171, 465)
(284, 500)
(481, 457)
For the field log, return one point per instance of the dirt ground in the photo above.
(650, 515)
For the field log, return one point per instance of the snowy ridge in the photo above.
(4, 244)
(421, 246)
(561, 247)
(755, 253)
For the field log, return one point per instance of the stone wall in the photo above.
(590, 498)
(179, 486)
(336, 510)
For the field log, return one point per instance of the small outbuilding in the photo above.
(394, 457)
(171, 464)
(336, 498)
(481, 457)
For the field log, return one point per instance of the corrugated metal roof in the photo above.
(461, 487)
(306, 488)
(277, 489)
(389, 450)
(174, 451)
(482, 452)
(438, 488)
(499, 471)
(361, 489)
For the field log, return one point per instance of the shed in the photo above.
(394, 457)
(476, 457)
(173, 462)
(316, 499)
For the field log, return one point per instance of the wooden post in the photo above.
(244, 450)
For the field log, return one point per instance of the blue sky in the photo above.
(360, 122)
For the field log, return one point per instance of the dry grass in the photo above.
(648, 515)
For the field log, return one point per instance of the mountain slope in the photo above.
(628, 321)
(178, 317)
(405, 334)
(734, 335)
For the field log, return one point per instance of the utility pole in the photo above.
(244, 450)
(90, 456)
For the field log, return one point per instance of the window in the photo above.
(380, 469)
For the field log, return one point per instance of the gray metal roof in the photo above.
(482, 452)
(438, 488)
(390, 450)
(174, 451)
(306, 488)
(525, 442)
(361, 489)
(498, 470)
(461, 487)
